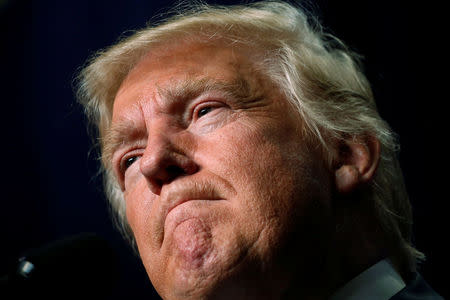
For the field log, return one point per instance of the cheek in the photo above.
(250, 154)
(269, 166)
(132, 177)
(138, 207)
(259, 166)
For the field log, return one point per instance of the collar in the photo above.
(379, 282)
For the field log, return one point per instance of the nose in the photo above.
(163, 162)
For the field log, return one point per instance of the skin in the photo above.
(224, 195)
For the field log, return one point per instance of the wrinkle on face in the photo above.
(250, 155)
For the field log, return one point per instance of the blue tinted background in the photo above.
(49, 185)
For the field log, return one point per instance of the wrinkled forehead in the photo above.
(191, 58)
(191, 67)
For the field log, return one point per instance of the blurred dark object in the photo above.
(81, 266)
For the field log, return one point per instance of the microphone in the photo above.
(77, 267)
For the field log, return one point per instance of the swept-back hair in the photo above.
(316, 72)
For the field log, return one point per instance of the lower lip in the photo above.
(182, 208)
(186, 210)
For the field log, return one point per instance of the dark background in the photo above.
(49, 186)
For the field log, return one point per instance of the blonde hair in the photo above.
(316, 72)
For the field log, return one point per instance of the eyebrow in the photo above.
(183, 91)
(119, 134)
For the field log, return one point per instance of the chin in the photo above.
(199, 265)
(225, 271)
(199, 278)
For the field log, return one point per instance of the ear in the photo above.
(357, 162)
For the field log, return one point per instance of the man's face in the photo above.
(221, 188)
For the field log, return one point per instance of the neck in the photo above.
(353, 249)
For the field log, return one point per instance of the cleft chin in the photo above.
(192, 243)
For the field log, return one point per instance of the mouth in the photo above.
(180, 202)
(182, 191)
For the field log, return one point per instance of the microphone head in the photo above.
(82, 266)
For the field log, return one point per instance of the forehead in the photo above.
(171, 64)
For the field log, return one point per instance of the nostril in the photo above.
(162, 167)
(174, 171)
(165, 176)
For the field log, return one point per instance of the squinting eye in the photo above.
(128, 162)
(204, 111)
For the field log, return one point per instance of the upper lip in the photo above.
(183, 190)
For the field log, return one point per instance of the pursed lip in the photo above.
(184, 190)
(177, 203)
(187, 193)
